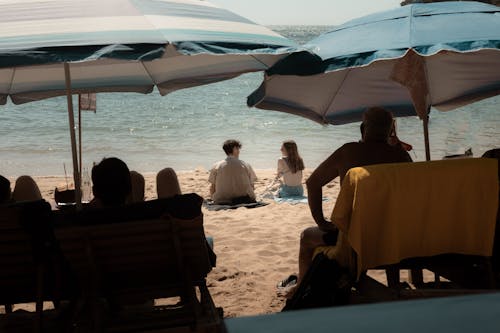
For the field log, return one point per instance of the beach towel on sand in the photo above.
(294, 200)
(272, 193)
(210, 205)
(291, 200)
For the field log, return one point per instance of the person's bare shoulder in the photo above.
(337, 159)
(350, 145)
(348, 149)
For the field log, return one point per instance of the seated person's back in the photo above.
(355, 154)
(232, 180)
(374, 149)
(290, 167)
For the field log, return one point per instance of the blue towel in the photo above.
(286, 191)
(294, 200)
(291, 200)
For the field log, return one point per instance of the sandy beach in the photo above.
(256, 248)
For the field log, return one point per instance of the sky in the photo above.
(305, 12)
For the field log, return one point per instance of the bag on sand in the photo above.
(325, 284)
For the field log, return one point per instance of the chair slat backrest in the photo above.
(17, 266)
(24, 235)
(139, 257)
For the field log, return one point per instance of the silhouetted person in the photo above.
(167, 184)
(5, 192)
(374, 149)
(26, 189)
(110, 183)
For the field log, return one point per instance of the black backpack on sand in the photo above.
(325, 284)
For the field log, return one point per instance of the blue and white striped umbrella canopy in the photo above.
(444, 54)
(126, 45)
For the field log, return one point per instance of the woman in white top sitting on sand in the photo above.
(290, 168)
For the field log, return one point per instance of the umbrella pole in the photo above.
(76, 174)
(426, 138)
(416, 275)
(79, 138)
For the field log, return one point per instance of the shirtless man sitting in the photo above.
(374, 149)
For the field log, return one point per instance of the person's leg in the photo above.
(26, 190)
(167, 184)
(310, 239)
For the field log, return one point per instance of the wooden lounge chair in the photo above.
(121, 266)
(437, 215)
(26, 265)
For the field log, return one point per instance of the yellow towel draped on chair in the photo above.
(390, 212)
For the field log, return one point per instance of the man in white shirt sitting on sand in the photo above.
(232, 180)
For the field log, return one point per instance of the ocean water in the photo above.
(185, 129)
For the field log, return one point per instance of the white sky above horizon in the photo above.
(304, 12)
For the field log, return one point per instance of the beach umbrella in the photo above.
(444, 54)
(62, 47)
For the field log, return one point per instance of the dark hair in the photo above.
(293, 159)
(494, 153)
(111, 181)
(229, 145)
(378, 124)
(4, 190)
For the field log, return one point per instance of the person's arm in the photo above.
(279, 169)
(324, 173)
(211, 180)
(251, 175)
